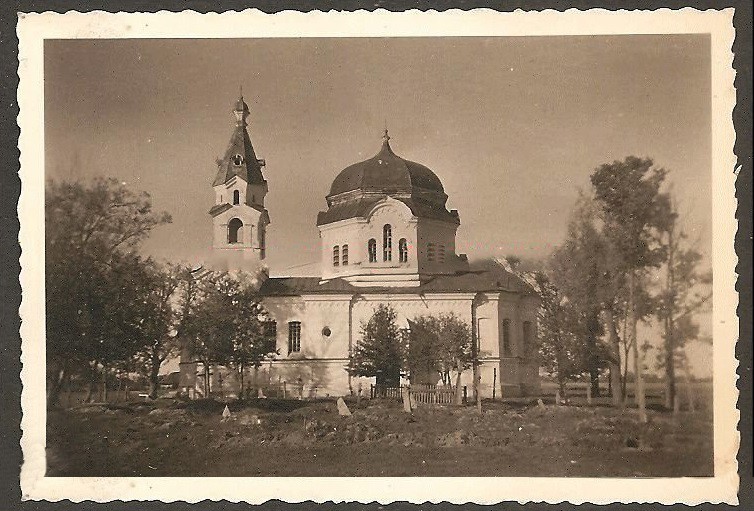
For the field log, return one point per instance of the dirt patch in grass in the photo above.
(297, 438)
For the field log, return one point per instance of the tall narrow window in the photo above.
(262, 246)
(336, 256)
(527, 338)
(430, 251)
(344, 255)
(441, 253)
(403, 250)
(372, 249)
(387, 243)
(234, 231)
(506, 337)
(270, 331)
(236, 197)
(294, 337)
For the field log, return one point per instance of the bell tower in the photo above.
(239, 217)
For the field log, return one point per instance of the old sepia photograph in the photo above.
(485, 256)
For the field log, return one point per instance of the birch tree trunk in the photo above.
(458, 396)
(632, 323)
(670, 395)
(615, 372)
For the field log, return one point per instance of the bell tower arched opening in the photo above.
(235, 235)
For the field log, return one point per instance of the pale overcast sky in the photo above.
(512, 126)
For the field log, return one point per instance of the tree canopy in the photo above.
(381, 350)
(92, 268)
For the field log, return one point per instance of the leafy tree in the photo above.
(437, 346)
(644, 307)
(91, 233)
(160, 317)
(381, 350)
(559, 349)
(222, 322)
(581, 272)
(685, 292)
(97, 219)
(634, 211)
(249, 347)
(455, 350)
(423, 350)
(209, 321)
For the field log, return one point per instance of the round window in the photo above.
(326, 331)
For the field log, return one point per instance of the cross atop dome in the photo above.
(385, 136)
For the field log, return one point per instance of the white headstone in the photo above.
(342, 408)
(226, 413)
(260, 394)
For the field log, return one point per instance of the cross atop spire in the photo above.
(385, 136)
(241, 111)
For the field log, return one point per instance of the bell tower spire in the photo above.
(238, 215)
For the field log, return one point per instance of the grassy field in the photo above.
(309, 438)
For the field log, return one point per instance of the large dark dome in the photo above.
(386, 172)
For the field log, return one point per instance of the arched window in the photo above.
(344, 255)
(507, 338)
(236, 197)
(235, 235)
(403, 250)
(430, 251)
(372, 249)
(527, 338)
(336, 256)
(441, 253)
(387, 243)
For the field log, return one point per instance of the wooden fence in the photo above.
(421, 394)
(386, 392)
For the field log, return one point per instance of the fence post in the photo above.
(494, 382)
(589, 393)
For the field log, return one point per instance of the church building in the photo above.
(386, 237)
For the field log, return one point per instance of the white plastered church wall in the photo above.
(321, 360)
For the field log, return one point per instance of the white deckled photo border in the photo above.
(34, 29)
